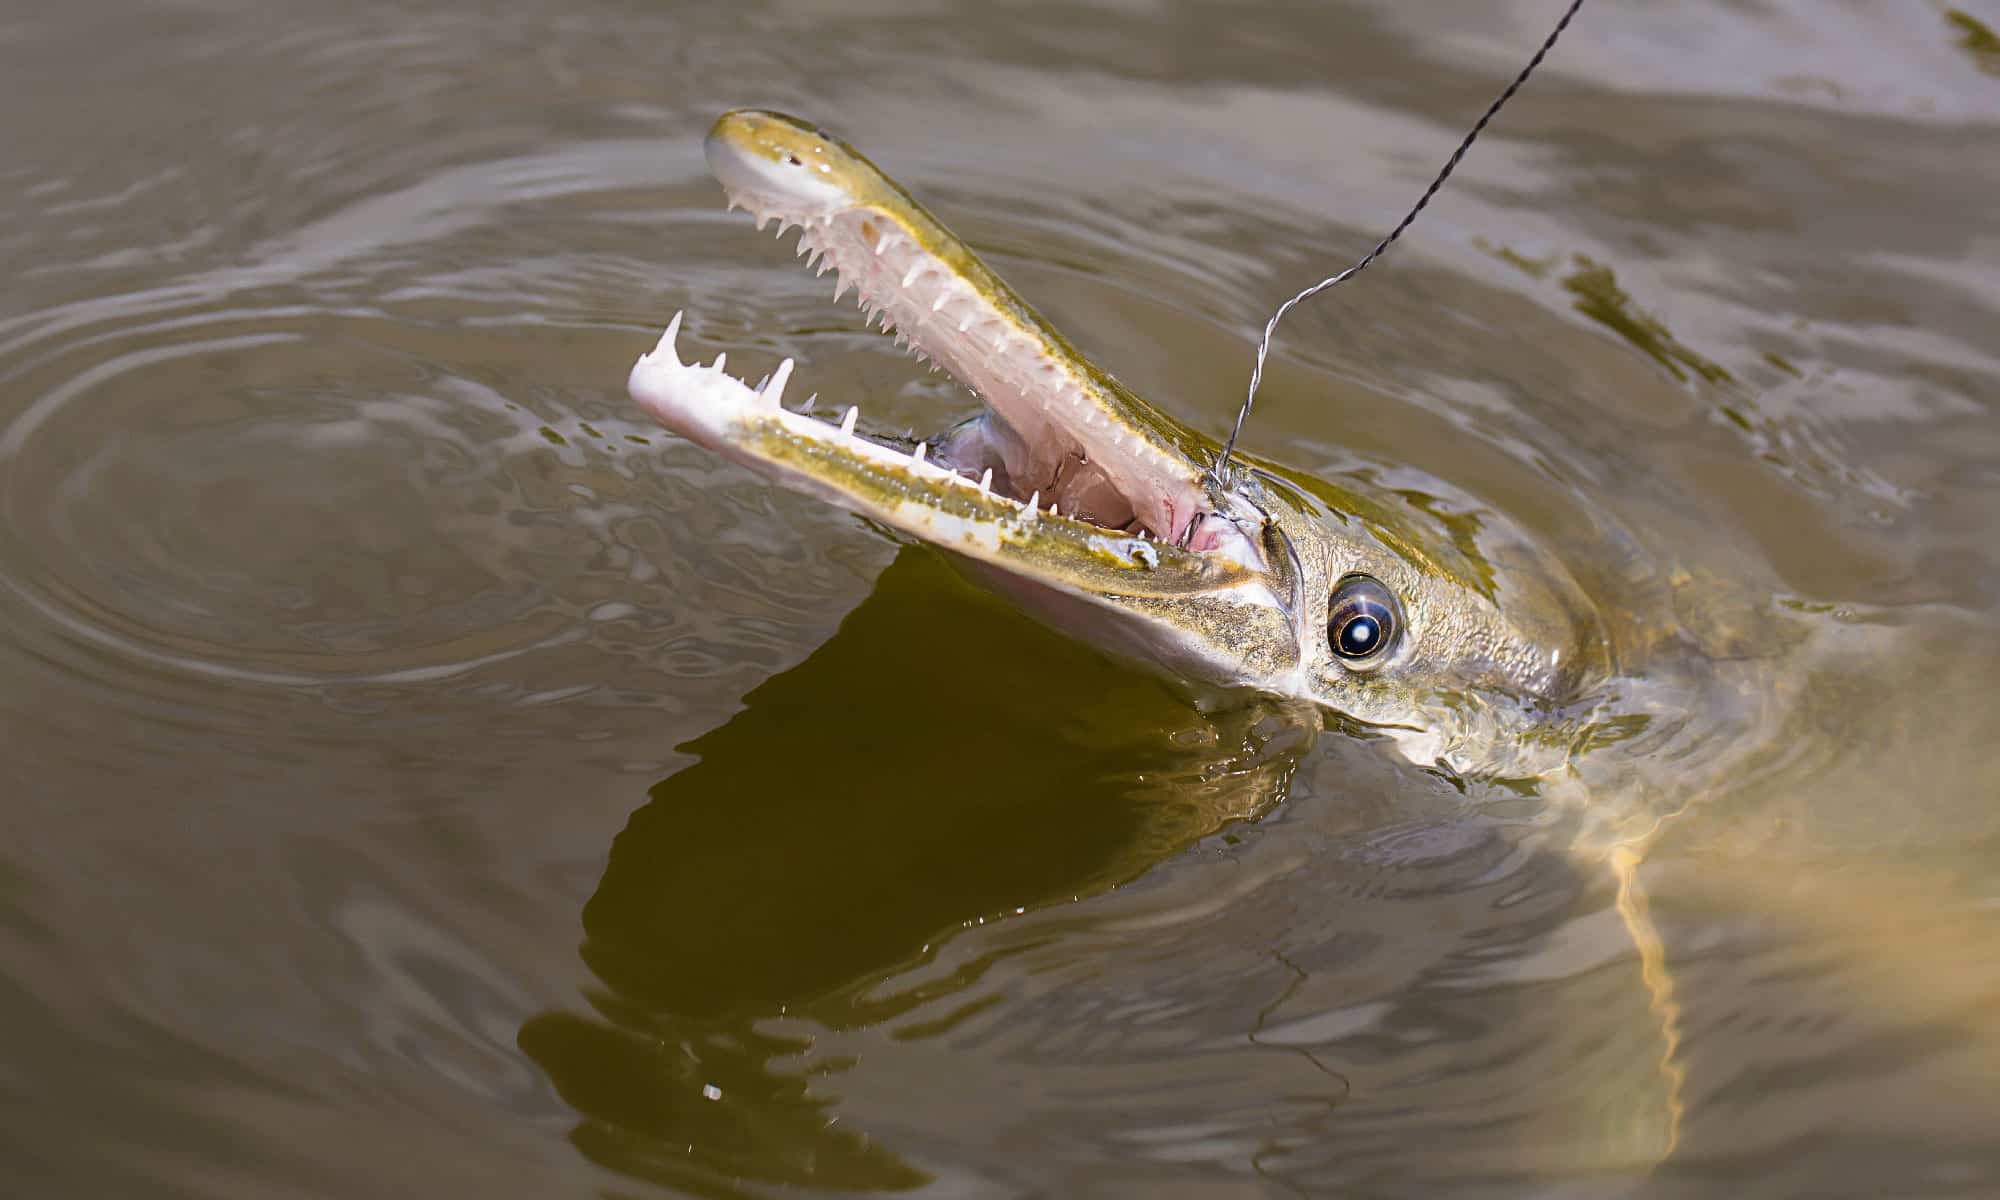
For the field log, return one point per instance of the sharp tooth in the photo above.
(774, 391)
(910, 276)
(840, 287)
(1033, 500)
(964, 324)
(940, 301)
(666, 341)
(986, 482)
(847, 420)
(922, 449)
(881, 243)
(719, 360)
(1055, 510)
(810, 401)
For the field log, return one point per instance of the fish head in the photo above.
(1104, 515)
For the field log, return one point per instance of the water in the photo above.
(423, 776)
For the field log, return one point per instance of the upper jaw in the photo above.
(1056, 424)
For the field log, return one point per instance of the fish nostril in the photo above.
(792, 160)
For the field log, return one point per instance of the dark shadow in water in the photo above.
(939, 760)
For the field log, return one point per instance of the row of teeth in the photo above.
(770, 391)
(817, 257)
(1042, 379)
(970, 324)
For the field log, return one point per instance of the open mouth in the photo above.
(1062, 452)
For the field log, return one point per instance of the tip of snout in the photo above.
(772, 162)
(730, 141)
(741, 121)
(739, 129)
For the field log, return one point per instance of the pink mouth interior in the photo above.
(1043, 435)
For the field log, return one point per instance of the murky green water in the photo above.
(422, 776)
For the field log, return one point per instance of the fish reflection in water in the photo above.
(917, 774)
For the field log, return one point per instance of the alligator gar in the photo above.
(1442, 627)
(1104, 516)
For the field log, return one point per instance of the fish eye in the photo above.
(1362, 624)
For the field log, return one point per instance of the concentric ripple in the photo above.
(343, 470)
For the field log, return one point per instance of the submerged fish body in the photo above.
(1106, 517)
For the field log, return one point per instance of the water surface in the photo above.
(422, 776)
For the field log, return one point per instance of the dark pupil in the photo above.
(1358, 636)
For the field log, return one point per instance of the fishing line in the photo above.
(1221, 468)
